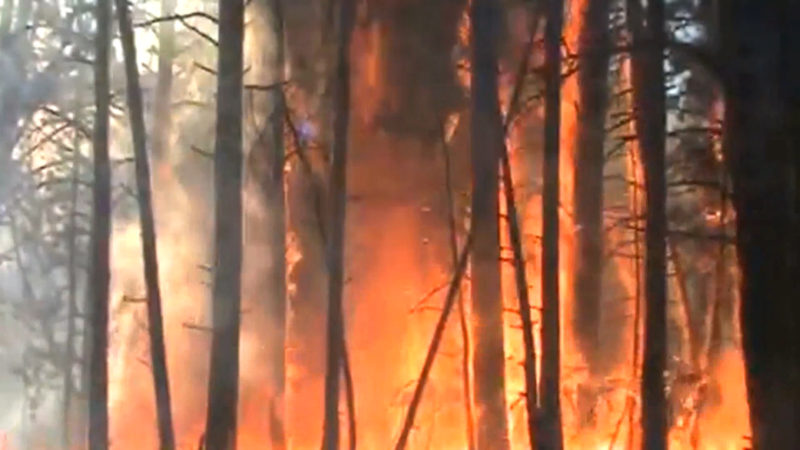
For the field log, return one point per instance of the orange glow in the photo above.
(395, 258)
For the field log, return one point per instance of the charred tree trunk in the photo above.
(99, 274)
(760, 42)
(223, 383)
(162, 114)
(487, 303)
(550, 428)
(649, 104)
(158, 353)
(337, 202)
(588, 198)
(594, 43)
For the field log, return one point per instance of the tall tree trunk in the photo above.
(223, 382)
(336, 204)
(760, 42)
(162, 114)
(550, 427)
(588, 199)
(265, 223)
(487, 303)
(594, 43)
(99, 274)
(649, 103)
(158, 353)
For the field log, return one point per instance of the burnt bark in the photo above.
(550, 427)
(223, 383)
(649, 105)
(158, 353)
(594, 53)
(759, 42)
(99, 273)
(335, 245)
(487, 304)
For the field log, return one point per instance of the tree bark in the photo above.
(158, 353)
(223, 383)
(337, 203)
(594, 52)
(760, 42)
(550, 426)
(99, 274)
(487, 304)
(649, 104)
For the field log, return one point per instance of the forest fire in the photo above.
(420, 352)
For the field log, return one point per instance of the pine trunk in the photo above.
(588, 198)
(550, 427)
(223, 383)
(155, 320)
(760, 42)
(99, 273)
(487, 303)
(337, 203)
(649, 104)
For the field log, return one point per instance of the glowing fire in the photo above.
(395, 258)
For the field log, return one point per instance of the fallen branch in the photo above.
(438, 332)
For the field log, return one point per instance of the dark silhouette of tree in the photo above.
(223, 383)
(650, 116)
(99, 274)
(759, 42)
(487, 303)
(550, 427)
(593, 74)
(158, 353)
(336, 220)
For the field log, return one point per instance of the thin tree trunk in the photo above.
(158, 353)
(438, 332)
(529, 361)
(550, 427)
(162, 114)
(487, 305)
(649, 100)
(99, 274)
(462, 313)
(336, 205)
(223, 383)
(594, 53)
